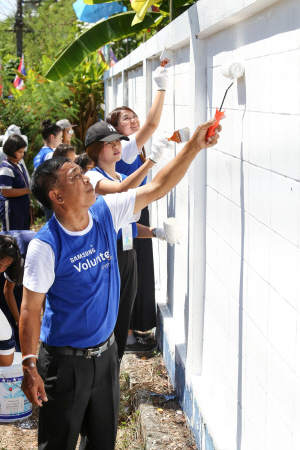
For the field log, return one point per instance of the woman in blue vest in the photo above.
(126, 122)
(105, 152)
(53, 136)
(14, 184)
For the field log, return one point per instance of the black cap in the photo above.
(102, 132)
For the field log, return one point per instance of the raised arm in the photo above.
(153, 118)
(29, 327)
(170, 175)
(105, 186)
(152, 121)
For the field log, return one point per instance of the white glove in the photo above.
(161, 78)
(157, 149)
(160, 234)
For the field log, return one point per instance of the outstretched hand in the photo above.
(157, 149)
(199, 137)
(160, 77)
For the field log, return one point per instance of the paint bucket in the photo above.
(13, 402)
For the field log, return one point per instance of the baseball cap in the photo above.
(64, 123)
(102, 132)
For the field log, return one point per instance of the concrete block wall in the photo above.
(229, 295)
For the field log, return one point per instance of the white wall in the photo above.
(236, 270)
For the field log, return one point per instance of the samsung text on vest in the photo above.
(90, 263)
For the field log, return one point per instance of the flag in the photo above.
(140, 7)
(113, 59)
(18, 82)
(93, 13)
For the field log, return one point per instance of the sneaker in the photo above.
(141, 346)
(146, 335)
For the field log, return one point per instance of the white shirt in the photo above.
(5, 333)
(39, 272)
(129, 149)
(96, 176)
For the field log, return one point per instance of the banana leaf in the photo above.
(102, 33)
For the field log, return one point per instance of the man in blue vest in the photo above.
(73, 261)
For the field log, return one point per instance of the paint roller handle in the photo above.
(218, 116)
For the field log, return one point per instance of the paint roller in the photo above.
(232, 70)
(172, 234)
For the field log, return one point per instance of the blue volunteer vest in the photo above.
(82, 304)
(40, 157)
(133, 224)
(127, 169)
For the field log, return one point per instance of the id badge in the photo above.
(127, 238)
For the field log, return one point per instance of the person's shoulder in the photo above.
(98, 205)
(47, 231)
(6, 168)
(99, 210)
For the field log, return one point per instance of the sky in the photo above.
(7, 8)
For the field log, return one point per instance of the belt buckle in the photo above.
(91, 352)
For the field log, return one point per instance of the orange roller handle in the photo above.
(211, 130)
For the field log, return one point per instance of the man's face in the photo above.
(74, 188)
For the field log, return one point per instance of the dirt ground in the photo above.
(149, 374)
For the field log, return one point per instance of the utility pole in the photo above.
(18, 28)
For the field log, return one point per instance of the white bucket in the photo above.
(13, 402)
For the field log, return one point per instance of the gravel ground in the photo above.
(145, 373)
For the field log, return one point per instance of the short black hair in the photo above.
(83, 160)
(63, 150)
(49, 128)
(45, 177)
(9, 247)
(14, 143)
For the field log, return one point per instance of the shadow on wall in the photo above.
(171, 255)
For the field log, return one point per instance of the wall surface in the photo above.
(229, 294)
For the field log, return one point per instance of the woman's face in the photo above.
(5, 262)
(18, 155)
(55, 140)
(110, 153)
(67, 135)
(128, 123)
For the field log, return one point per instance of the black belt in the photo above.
(86, 352)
